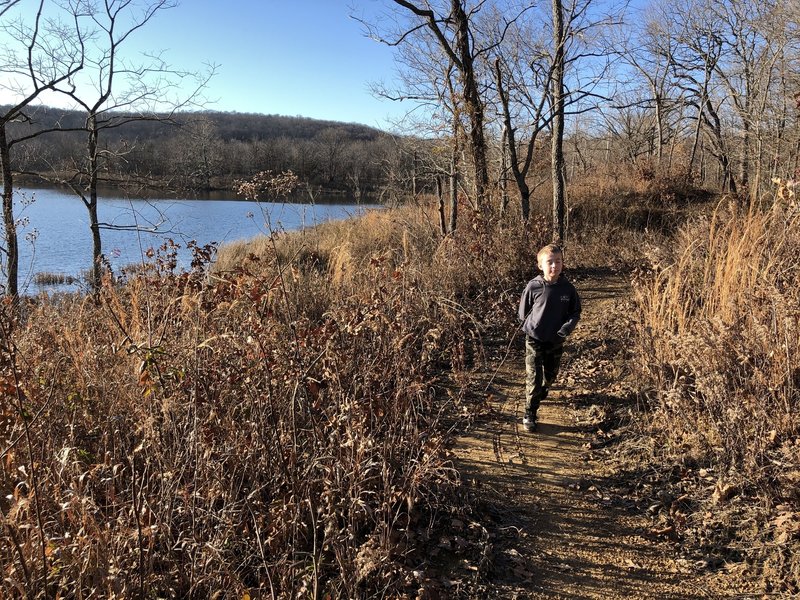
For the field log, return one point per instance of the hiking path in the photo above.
(562, 527)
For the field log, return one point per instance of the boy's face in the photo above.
(551, 265)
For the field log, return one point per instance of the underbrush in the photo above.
(619, 220)
(719, 335)
(278, 429)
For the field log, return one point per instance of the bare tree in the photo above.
(449, 27)
(331, 143)
(456, 134)
(724, 61)
(650, 52)
(631, 126)
(523, 69)
(119, 91)
(694, 61)
(44, 53)
(557, 152)
(200, 157)
(519, 166)
(528, 59)
(753, 43)
(428, 77)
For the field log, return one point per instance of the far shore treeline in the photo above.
(208, 151)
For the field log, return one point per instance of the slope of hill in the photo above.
(207, 150)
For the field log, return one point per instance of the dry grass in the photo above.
(626, 218)
(278, 428)
(719, 330)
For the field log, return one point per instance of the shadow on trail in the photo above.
(556, 533)
(544, 428)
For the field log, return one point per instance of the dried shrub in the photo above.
(268, 429)
(719, 333)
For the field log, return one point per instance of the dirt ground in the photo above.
(558, 532)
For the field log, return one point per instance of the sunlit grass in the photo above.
(719, 337)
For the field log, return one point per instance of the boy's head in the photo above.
(550, 260)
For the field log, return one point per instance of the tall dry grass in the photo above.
(277, 429)
(619, 215)
(719, 336)
(483, 263)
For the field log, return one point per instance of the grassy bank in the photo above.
(279, 428)
(718, 318)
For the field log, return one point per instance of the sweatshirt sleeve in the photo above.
(525, 303)
(573, 316)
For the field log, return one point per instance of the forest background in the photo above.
(510, 97)
(278, 423)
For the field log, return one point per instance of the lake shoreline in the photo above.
(140, 187)
(55, 240)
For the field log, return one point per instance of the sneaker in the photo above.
(529, 422)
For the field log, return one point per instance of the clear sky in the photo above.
(300, 58)
(305, 58)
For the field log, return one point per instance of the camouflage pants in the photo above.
(542, 360)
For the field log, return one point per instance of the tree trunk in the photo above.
(780, 131)
(744, 164)
(557, 149)
(454, 176)
(12, 247)
(701, 104)
(659, 127)
(695, 139)
(796, 169)
(473, 103)
(755, 182)
(414, 164)
(510, 146)
(453, 190)
(504, 171)
(91, 204)
(524, 200)
(440, 201)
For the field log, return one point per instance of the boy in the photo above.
(549, 310)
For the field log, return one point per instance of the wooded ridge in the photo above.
(210, 150)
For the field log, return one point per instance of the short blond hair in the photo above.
(549, 249)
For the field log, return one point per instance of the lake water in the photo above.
(54, 235)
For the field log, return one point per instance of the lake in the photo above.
(54, 235)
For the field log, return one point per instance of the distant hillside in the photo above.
(210, 150)
(230, 125)
(248, 126)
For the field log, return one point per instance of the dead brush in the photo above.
(263, 430)
(720, 332)
(617, 215)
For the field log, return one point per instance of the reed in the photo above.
(719, 330)
(52, 279)
(278, 427)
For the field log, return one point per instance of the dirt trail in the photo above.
(558, 535)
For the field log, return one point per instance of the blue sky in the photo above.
(305, 58)
(302, 58)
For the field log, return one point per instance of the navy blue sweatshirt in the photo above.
(549, 311)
